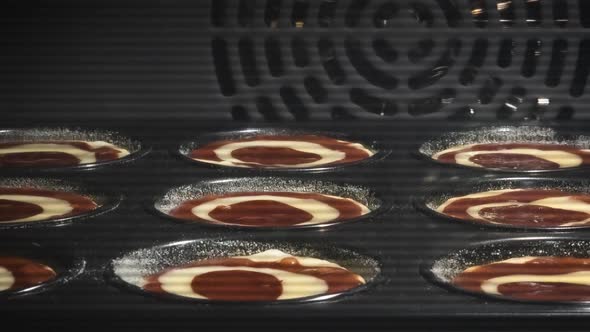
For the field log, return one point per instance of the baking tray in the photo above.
(154, 71)
(400, 239)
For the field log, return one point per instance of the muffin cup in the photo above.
(186, 147)
(502, 134)
(162, 204)
(437, 194)
(106, 202)
(66, 266)
(443, 269)
(128, 270)
(136, 149)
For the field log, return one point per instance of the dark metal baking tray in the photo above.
(400, 239)
(159, 72)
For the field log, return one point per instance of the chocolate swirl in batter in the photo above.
(269, 209)
(283, 151)
(268, 276)
(32, 204)
(515, 156)
(531, 278)
(521, 207)
(57, 153)
(18, 273)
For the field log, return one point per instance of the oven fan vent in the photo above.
(433, 59)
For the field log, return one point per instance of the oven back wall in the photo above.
(286, 60)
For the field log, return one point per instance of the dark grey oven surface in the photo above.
(400, 72)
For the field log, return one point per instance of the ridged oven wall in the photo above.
(297, 60)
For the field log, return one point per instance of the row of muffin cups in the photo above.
(130, 149)
(198, 150)
(160, 204)
(126, 270)
(436, 195)
(129, 271)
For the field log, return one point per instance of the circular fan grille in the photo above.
(447, 59)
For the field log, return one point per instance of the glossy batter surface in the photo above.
(267, 276)
(531, 278)
(269, 209)
(515, 156)
(31, 204)
(281, 151)
(521, 207)
(57, 153)
(20, 273)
